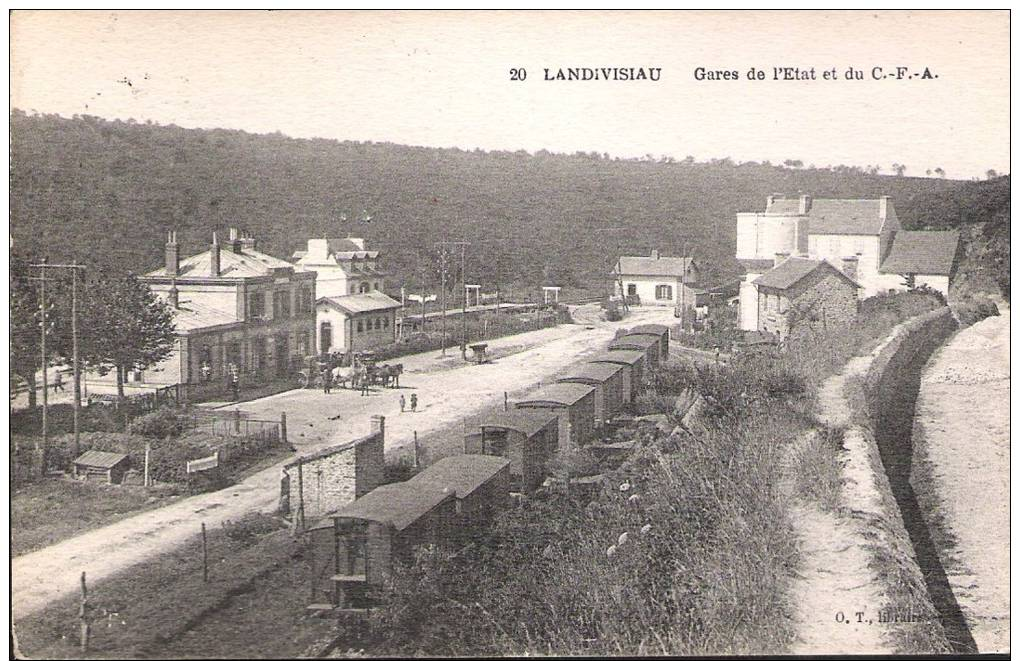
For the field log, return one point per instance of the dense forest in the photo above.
(107, 191)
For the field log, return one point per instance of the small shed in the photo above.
(527, 437)
(646, 343)
(575, 405)
(607, 379)
(111, 465)
(655, 330)
(633, 374)
(357, 546)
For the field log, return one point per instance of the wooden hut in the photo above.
(574, 403)
(357, 546)
(647, 343)
(110, 465)
(633, 373)
(607, 379)
(527, 437)
(655, 330)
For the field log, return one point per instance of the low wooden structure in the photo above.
(634, 372)
(655, 330)
(645, 343)
(527, 437)
(357, 546)
(111, 465)
(574, 403)
(607, 379)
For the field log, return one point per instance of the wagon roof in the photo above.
(461, 474)
(656, 329)
(643, 341)
(619, 356)
(398, 504)
(598, 372)
(527, 421)
(99, 459)
(566, 394)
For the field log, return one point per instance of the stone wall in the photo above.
(333, 477)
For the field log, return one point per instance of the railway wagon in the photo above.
(644, 343)
(655, 330)
(633, 372)
(574, 403)
(607, 379)
(356, 547)
(527, 437)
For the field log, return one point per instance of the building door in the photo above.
(282, 349)
(325, 336)
(632, 289)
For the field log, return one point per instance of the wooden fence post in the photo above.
(83, 619)
(301, 497)
(145, 479)
(506, 402)
(417, 458)
(205, 557)
(237, 420)
(283, 427)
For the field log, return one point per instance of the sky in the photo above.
(443, 79)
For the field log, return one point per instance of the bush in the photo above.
(164, 422)
(251, 527)
(974, 310)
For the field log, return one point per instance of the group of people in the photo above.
(414, 403)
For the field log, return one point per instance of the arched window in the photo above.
(364, 288)
(376, 285)
(663, 292)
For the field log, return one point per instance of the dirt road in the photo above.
(963, 415)
(448, 390)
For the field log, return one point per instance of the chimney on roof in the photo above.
(248, 241)
(655, 254)
(214, 256)
(850, 267)
(780, 258)
(805, 205)
(174, 295)
(235, 241)
(173, 254)
(883, 207)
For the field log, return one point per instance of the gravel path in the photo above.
(963, 414)
(446, 395)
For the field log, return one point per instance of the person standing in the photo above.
(414, 402)
(58, 382)
(327, 380)
(403, 403)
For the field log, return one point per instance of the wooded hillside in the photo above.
(100, 190)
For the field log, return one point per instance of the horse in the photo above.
(344, 375)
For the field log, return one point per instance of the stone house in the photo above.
(657, 280)
(233, 305)
(355, 322)
(856, 236)
(804, 293)
(344, 266)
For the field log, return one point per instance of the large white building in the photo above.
(861, 238)
(344, 266)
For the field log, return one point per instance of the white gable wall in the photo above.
(834, 247)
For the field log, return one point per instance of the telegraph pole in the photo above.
(618, 279)
(74, 267)
(463, 332)
(442, 293)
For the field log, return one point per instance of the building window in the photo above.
(259, 357)
(375, 285)
(378, 324)
(361, 326)
(663, 293)
(256, 305)
(281, 304)
(632, 289)
(385, 323)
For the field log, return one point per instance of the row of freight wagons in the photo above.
(505, 451)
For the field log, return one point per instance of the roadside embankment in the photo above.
(918, 608)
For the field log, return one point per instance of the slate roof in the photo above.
(245, 264)
(598, 372)
(793, 270)
(98, 459)
(668, 266)
(653, 329)
(462, 473)
(190, 316)
(566, 394)
(374, 301)
(527, 421)
(834, 216)
(927, 253)
(643, 341)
